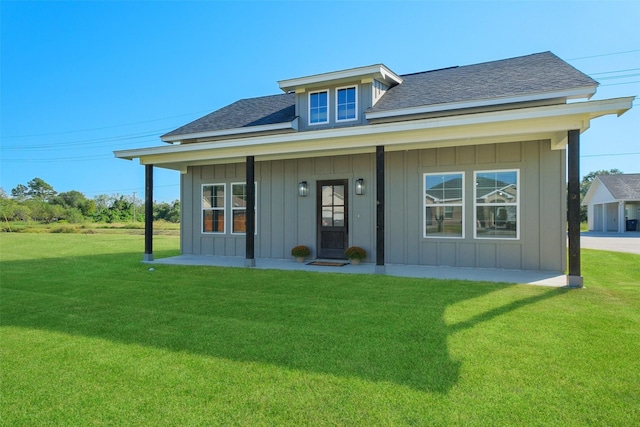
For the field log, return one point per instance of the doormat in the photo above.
(328, 263)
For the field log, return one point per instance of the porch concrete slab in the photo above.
(531, 277)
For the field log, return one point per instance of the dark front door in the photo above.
(333, 218)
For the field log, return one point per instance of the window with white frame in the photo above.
(497, 204)
(443, 199)
(213, 206)
(239, 208)
(318, 107)
(346, 103)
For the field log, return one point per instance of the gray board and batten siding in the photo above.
(285, 220)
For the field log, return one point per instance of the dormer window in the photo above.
(318, 107)
(346, 104)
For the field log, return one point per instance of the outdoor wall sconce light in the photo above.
(303, 189)
(359, 186)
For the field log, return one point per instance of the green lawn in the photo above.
(89, 336)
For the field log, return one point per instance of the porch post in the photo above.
(250, 214)
(622, 223)
(148, 213)
(380, 267)
(574, 279)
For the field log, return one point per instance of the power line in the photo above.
(611, 154)
(623, 83)
(617, 71)
(604, 54)
(129, 189)
(125, 137)
(620, 77)
(60, 159)
(101, 128)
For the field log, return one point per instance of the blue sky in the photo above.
(81, 79)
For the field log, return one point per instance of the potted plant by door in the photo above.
(300, 252)
(355, 254)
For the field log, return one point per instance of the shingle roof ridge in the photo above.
(536, 73)
(479, 63)
(429, 71)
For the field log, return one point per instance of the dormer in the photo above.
(339, 98)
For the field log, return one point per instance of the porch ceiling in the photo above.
(533, 123)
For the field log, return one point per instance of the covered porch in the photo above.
(526, 277)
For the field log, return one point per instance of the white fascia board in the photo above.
(490, 126)
(584, 92)
(236, 131)
(379, 71)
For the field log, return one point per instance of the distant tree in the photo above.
(73, 215)
(121, 208)
(101, 208)
(585, 184)
(69, 199)
(77, 200)
(6, 208)
(115, 208)
(20, 192)
(3, 194)
(39, 210)
(13, 210)
(167, 211)
(38, 189)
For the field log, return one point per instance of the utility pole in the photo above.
(134, 206)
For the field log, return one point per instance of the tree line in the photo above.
(38, 201)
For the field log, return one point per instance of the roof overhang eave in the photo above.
(547, 122)
(292, 125)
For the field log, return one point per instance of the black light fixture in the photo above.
(359, 186)
(303, 189)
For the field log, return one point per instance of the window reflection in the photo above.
(444, 205)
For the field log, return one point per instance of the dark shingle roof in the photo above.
(536, 73)
(266, 110)
(622, 187)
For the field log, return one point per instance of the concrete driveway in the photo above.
(616, 242)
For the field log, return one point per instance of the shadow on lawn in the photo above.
(380, 329)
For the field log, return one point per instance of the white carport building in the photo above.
(613, 203)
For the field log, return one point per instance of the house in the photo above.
(613, 203)
(462, 166)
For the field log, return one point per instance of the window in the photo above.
(213, 208)
(239, 208)
(346, 104)
(333, 206)
(318, 107)
(215, 204)
(497, 204)
(443, 200)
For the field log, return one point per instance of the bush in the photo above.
(355, 252)
(65, 229)
(300, 251)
